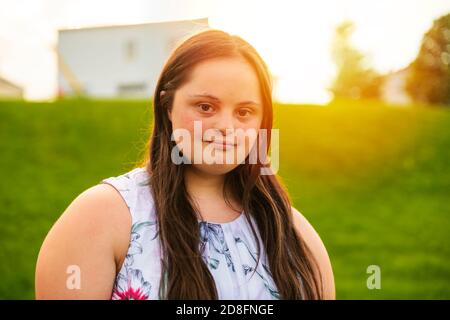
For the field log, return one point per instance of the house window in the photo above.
(137, 89)
(130, 50)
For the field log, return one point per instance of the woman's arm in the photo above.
(313, 241)
(83, 250)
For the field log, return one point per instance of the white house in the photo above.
(119, 60)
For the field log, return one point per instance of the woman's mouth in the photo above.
(221, 145)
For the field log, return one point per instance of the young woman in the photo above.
(192, 229)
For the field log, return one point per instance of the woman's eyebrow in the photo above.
(206, 95)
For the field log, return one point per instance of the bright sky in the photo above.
(293, 37)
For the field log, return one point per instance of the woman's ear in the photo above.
(161, 94)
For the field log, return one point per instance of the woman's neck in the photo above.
(201, 185)
(207, 192)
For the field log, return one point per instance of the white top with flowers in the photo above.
(229, 250)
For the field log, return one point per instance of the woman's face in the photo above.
(220, 108)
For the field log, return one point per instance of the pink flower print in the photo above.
(131, 287)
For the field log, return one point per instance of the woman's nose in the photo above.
(225, 122)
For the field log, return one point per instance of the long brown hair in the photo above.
(184, 274)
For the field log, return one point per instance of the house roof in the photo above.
(96, 27)
(9, 83)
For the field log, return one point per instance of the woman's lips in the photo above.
(222, 145)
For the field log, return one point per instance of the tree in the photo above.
(354, 78)
(429, 76)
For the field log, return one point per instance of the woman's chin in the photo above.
(215, 169)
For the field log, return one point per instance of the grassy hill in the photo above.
(372, 179)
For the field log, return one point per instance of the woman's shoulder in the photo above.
(116, 195)
(317, 247)
(134, 188)
(91, 234)
(100, 213)
(112, 201)
(107, 211)
(101, 203)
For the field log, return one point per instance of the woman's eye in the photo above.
(205, 107)
(244, 112)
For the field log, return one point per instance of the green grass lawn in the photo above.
(372, 179)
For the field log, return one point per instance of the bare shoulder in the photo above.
(101, 203)
(99, 212)
(91, 236)
(315, 243)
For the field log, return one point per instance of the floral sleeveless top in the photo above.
(229, 250)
